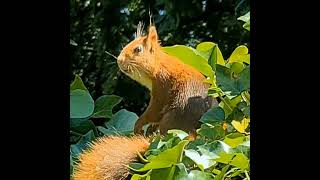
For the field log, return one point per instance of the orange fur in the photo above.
(107, 158)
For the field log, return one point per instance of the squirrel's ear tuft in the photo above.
(152, 35)
(152, 38)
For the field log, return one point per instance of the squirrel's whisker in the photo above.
(111, 54)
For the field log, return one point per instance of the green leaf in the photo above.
(122, 122)
(75, 151)
(195, 175)
(168, 142)
(215, 114)
(225, 158)
(234, 139)
(77, 84)
(215, 148)
(240, 161)
(104, 105)
(246, 143)
(72, 42)
(191, 57)
(107, 132)
(81, 104)
(236, 159)
(243, 149)
(181, 169)
(222, 173)
(247, 25)
(202, 161)
(181, 134)
(197, 142)
(244, 80)
(237, 67)
(145, 176)
(235, 101)
(240, 55)
(135, 166)
(241, 126)
(212, 53)
(164, 173)
(166, 158)
(227, 81)
(246, 18)
(81, 125)
(211, 132)
(82, 144)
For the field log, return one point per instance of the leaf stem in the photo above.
(247, 175)
(224, 101)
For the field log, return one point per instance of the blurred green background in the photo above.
(100, 25)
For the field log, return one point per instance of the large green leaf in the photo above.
(191, 57)
(122, 122)
(104, 105)
(77, 84)
(210, 131)
(212, 53)
(240, 54)
(215, 114)
(240, 161)
(166, 158)
(81, 104)
(163, 173)
(227, 82)
(235, 159)
(234, 139)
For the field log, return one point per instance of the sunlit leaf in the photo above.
(241, 126)
(191, 57)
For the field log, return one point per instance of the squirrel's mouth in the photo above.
(133, 70)
(125, 67)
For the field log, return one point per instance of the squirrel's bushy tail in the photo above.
(108, 158)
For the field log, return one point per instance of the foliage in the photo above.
(222, 147)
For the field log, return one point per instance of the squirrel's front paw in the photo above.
(138, 129)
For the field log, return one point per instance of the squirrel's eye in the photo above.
(138, 49)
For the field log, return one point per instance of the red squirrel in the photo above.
(178, 99)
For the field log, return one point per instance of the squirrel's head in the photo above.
(138, 58)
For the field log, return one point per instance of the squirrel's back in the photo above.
(108, 158)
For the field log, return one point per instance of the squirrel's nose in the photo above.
(120, 59)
